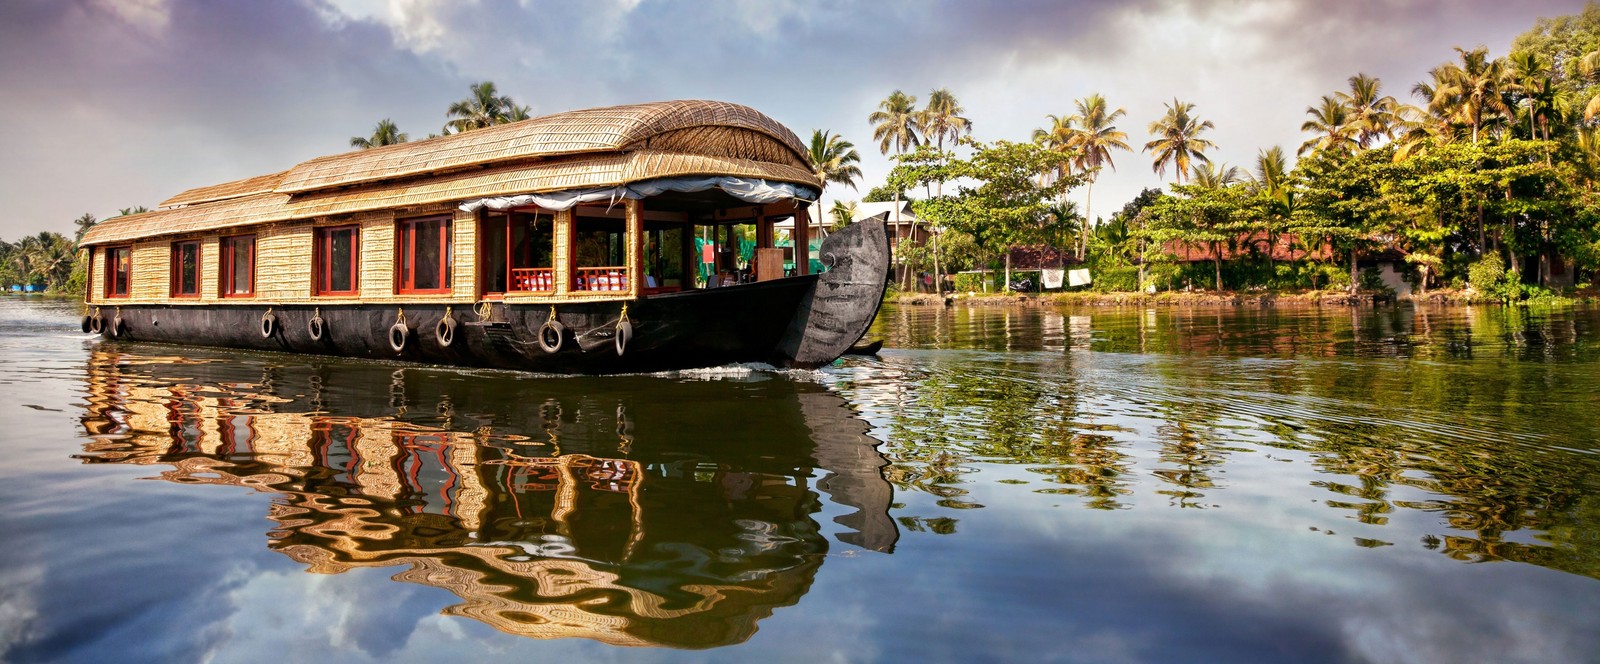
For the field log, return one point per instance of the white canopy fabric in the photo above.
(749, 190)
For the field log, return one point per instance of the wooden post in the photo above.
(802, 242)
(635, 213)
(562, 251)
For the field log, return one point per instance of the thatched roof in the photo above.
(574, 150)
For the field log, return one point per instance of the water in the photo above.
(1090, 485)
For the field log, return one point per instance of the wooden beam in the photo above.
(635, 236)
(802, 242)
(562, 251)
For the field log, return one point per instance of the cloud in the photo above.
(112, 104)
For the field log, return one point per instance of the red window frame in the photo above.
(119, 281)
(175, 287)
(227, 259)
(406, 254)
(323, 254)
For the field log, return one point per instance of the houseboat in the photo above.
(569, 243)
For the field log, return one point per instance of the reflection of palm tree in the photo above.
(1178, 141)
(386, 133)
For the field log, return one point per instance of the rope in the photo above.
(624, 318)
(447, 311)
(400, 316)
(484, 310)
(552, 318)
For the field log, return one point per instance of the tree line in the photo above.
(485, 107)
(1488, 176)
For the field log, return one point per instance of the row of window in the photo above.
(424, 265)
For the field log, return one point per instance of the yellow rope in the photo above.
(552, 318)
(485, 309)
(400, 317)
(447, 311)
(624, 318)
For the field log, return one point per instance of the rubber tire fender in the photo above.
(445, 332)
(87, 327)
(269, 324)
(97, 324)
(397, 336)
(117, 328)
(623, 336)
(551, 335)
(316, 327)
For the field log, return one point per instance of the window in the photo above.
(237, 269)
(338, 260)
(424, 255)
(119, 268)
(185, 269)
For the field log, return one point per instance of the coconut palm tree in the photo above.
(1272, 171)
(1371, 113)
(843, 213)
(1095, 138)
(1178, 142)
(833, 159)
(517, 114)
(1217, 176)
(486, 107)
(386, 133)
(1057, 138)
(1472, 90)
(942, 118)
(84, 223)
(140, 209)
(895, 123)
(1332, 128)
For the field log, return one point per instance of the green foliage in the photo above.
(1487, 273)
(1000, 200)
(1118, 279)
(968, 283)
(1372, 280)
(883, 194)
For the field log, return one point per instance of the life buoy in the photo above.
(551, 334)
(623, 335)
(315, 327)
(269, 323)
(445, 331)
(397, 336)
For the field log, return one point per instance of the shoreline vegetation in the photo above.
(1257, 298)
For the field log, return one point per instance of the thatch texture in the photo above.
(244, 211)
(259, 184)
(575, 132)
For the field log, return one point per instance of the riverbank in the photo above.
(1220, 298)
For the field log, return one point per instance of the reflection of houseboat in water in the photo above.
(633, 511)
(564, 243)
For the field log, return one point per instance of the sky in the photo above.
(109, 104)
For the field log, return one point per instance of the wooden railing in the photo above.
(601, 279)
(535, 279)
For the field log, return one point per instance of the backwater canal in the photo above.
(1021, 484)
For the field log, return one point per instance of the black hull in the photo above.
(677, 331)
(801, 322)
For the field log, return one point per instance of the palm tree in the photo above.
(833, 159)
(84, 223)
(1331, 123)
(517, 114)
(1178, 141)
(1272, 171)
(1371, 113)
(485, 108)
(1473, 90)
(1217, 176)
(843, 213)
(133, 210)
(1094, 140)
(384, 134)
(1058, 137)
(895, 123)
(942, 118)
(939, 120)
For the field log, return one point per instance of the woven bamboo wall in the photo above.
(635, 237)
(283, 262)
(377, 258)
(561, 251)
(464, 239)
(210, 253)
(151, 270)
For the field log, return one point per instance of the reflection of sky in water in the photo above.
(1271, 560)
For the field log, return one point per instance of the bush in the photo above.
(969, 283)
(1487, 274)
(1119, 279)
(1372, 280)
(1334, 277)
